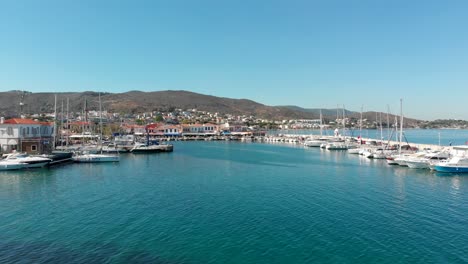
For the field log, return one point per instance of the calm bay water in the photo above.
(230, 202)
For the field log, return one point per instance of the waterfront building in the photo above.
(171, 130)
(26, 135)
(155, 129)
(192, 129)
(235, 127)
(134, 129)
(200, 129)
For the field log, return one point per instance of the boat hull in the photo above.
(451, 169)
(354, 151)
(95, 158)
(38, 164)
(417, 164)
(12, 166)
(152, 149)
(60, 157)
(391, 162)
(315, 144)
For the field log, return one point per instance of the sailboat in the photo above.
(339, 143)
(87, 157)
(358, 150)
(58, 156)
(317, 142)
(394, 159)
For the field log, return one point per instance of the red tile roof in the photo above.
(25, 121)
(154, 125)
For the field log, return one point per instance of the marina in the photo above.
(241, 199)
(233, 132)
(419, 153)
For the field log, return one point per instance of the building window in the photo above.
(10, 131)
(33, 147)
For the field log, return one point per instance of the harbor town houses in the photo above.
(26, 135)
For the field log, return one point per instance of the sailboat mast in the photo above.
(321, 125)
(344, 122)
(83, 123)
(61, 126)
(388, 122)
(360, 125)
(68, 124)
(376, 125)
(55, 122)
(381, 128)
(401, 124)
(100, 121)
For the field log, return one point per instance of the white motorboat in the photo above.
(11, 165)
(421, 163)
(368, 153)
(315, 142)
(95, 158)
(426, 161)
(380, 154)
(336, 146)
(456, 164)
(147, 148)
(391, 160)
(354, 151)
(112, 148)
(30, 161)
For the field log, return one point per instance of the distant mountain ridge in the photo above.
(316, 111)
(138, 102)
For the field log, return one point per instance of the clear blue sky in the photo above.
(314, 54)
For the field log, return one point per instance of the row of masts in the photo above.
(378, 117)
(84, 114)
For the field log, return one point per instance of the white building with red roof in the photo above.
(26, 135)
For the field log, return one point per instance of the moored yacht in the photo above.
(95, 158)
(315, 142)
(354, 151)
(86, 157)
(30, 161)
(381, 154)
(147, 148)
(456, 164)
(428, 160)
(58, 156)
(11, 165)
(336, 146)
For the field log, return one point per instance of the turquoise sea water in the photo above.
(231, 202)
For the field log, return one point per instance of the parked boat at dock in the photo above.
(11, 165)
(58, 156)
(95, 158)
(315, 142)
(426, 161)
(456, 164)
(147, 148)
(30, 161)
(336, 146)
